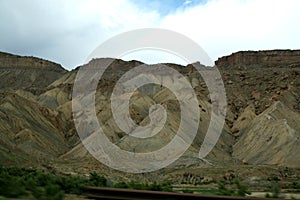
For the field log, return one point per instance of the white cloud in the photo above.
(67, 31)
(224, 26)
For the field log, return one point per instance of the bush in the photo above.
(275, 191)
(11, 186)
(121, 185)
(73, 184)
(96, 180)
(222, 190)
(240, 191)
(293, 185)
(54, 192)
(16, 182)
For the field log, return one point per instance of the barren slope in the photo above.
(262, 123)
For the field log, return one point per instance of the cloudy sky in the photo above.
(68, 31)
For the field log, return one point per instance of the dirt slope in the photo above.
(262, 122)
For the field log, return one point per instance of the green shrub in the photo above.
(72, 184)
(275, 191)
(222, 190)
(16, 182)
(293, 185)
(240, 191)
(96, 180)
(11, 186)
(121, 185)
(53, 192)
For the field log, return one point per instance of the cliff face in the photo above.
(27, 73)
(14, 61)
(267, 58)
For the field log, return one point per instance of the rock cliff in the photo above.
(267, 58)
(27, 73)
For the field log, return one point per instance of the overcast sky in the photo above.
(68, 31)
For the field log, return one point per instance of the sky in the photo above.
(67, 31)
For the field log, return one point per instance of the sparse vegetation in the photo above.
(18, 182)
(21, 182)
(293, 185)
(240, 190)
(275, 188)
(224, 189)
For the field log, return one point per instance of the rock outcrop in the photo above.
(271, 138)
(14, 61)
(268, 58)
(27, 73)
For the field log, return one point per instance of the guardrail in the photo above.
(126, 194)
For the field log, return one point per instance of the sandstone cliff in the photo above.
(268, 58)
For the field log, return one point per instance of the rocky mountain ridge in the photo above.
(267, 58)
(261, 123)
(15, 61)
(27, 73)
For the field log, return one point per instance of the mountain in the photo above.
(262, 121)
(27, 73)
(264, 104)
(29, 131)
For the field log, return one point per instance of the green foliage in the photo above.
(121, 185)
(223, 190)
(273, 177)
(18, 182)
(240, 191)
(167, 187)
(96, 180)
(72, 184)
(11, 186)
(188, 191)
(293, 185)
(275, 191)
(54, 192)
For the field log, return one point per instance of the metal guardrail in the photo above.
(126, 194)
